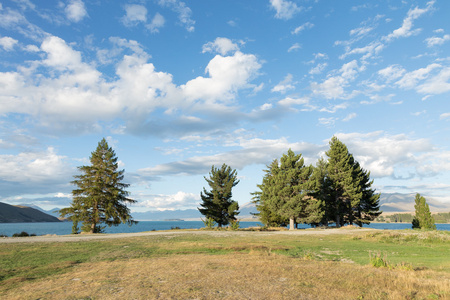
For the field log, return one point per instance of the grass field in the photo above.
(232, 265)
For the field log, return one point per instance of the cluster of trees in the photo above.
(442, 218)
(337, 191)
(334, 191)
(396, 218)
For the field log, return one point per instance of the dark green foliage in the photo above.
(321, 189)
(100, 196)
(338, 190)
(261, 198)
(23, 234)
(209, 223)
(75, 228)
(399, 218)
(217, 203)
(350, 199)
(286, 193)
(368, 207)
(423, 218)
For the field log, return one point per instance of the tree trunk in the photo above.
(291, 224)
(92, 228)
(338, 221)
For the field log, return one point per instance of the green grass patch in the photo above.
(419, 250)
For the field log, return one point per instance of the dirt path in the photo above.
(90, 237)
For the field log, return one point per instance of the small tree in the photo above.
(217, 203)
(101, 196)
(423, 218)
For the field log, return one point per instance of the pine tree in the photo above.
(320, 189)
(261, 198)
(288, 191)
(101, 196)
(351, 198)
(423, 218)
(343, 189)
(368, 208)
(217, 203)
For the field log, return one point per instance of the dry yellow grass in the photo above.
(255, 275)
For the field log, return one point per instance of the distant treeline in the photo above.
(407, 218)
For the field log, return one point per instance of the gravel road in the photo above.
(90, 237)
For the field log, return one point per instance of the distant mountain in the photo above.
(390, 202)
(156, 215)
(396, 202)
(23, 214)
(188, 214)
(52, 212)
(247, 211)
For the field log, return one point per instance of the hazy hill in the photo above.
(390, 203)
(397, 202)
(52, 212)
(23, 214)
(186, 214)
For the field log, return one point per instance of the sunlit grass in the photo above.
(253, 263)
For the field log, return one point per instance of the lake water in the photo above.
(62, 228)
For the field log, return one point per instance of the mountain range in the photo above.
(390, 203)
(23, 214)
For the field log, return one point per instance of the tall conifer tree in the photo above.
(320, 189)
(261, 198)
(423, 218)
(343, 189)
(288, 191)
(100, 196)
(368, 208)
(217, 203)
(351, 198)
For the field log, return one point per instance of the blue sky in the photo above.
(179, 86)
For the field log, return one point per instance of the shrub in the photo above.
(22, 234)
(209, 223)
(378, 261)
(234, 225)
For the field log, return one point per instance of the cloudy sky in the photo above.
(178, 86)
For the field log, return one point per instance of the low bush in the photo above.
(379, 260)
(234, 225)
(23, 234)
(209, 223)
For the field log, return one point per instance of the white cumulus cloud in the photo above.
(76, 11)
(433, 41)
(220, 45)
(134, 14)
(8, 43)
